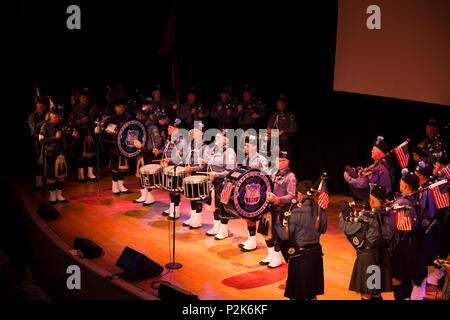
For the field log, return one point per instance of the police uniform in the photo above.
(370, 239)
(283, 121)
(430, 145)
(85, 147)
(53, 148)
(35, 122)
(221, 160)
(404, 266)
(252, 106)
(381, 175)
(186, 115)
(302, 247)
(284, 187)
(224, 117)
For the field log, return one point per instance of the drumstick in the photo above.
(157, 160)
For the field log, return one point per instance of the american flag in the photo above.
(226, 193)
(402, 222)
(446, 171)
(439, 190)
(323, 195)
(402, 154)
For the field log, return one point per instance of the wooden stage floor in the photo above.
(211, 269)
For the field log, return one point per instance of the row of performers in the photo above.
(415, 230)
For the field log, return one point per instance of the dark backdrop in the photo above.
(278, 46)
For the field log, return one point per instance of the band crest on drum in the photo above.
(131, 131)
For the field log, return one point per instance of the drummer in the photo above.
(253, 160)
(284, 191)
(194, 163)
(171, 154)
(149, 151)
(222, 160)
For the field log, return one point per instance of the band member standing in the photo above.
(430, 145)
(425, 251)
(54, 138)
(192, 110)
(305, 272)
(249, 110)
(404, 258)
(222, 160)
(380, 173)
(171, 154)
(35, 122)
(370, 235)
(82, 119)
(255, 161)
(194, 162)
(284, 191)
(149, 151)
(285, 122)
(222, 110)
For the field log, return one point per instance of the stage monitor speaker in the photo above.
(171, 292)
(90, 249)
(47, 211)
(137, 266)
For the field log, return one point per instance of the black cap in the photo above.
(226, 89)
(282, 97)
(43, 100)
(156, 87)
(192, 90)
(378, 192)
(382, 144)
(84, 92)
(283, 154)
(410, 179)
(175, 123)
(57, 110)
(304, 186)
(433, 123)
(443, 159)
(119, 100)
(247, 88)
(424, 169)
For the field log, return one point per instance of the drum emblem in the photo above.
(132, 136)
(252, 194)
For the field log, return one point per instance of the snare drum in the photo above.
(244, 193)
(196, 187)
(151, 176)
(173, 178)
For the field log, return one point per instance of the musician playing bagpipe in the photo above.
(299, 235)
(222, 160)
(82, 119)
(54, 136)
(253, 160)
(194, 163)
(149, 151)
(424, 246)
(379, 173)
(404, 258)
(432, 144)
(371, 233)
(192, 110)
(222, 110)
(35, 122)
(250, 111)
(284, 191)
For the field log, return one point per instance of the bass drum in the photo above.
(119, 133)
(249, 188)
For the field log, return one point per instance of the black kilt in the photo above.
(364, 259)
(425, 251)
(49, 166)
(404, 260)
(305, 275)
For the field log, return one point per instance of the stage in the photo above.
(211, 269)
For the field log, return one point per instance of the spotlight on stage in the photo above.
(137, 266)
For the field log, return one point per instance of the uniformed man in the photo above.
(431, 144)
(192, 110)
(171, 152)
(54, 137)
(149, 151)
(195, 162)
(35, 122)
(249, 110)
(222, 160)
(380, 173)
(222, 110)
(425, 251)
(284, 121)
(284, 191)
(404, 259)
(371, 237)
(442, 162)
(253, 160)
(82, 119)
(302, 241)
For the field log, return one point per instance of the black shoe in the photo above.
(128, 191)
(92, 179)
(240, 245)
(148, 204)
(264, 263)
(247, 250)
(186, 225)
(81, 181)
(62, 201)
(171, 218)
(135, 201)
(165, 214)
(116, 193)
(53, 202)
(193, 228)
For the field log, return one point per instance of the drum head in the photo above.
(195, 179)
(250, 192)
(150, 168)
(129, 132)
(170, 170)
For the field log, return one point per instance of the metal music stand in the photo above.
(174, 265)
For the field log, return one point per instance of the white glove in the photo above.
(137, 144)
(97, 130)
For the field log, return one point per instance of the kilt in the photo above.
(425, 251)
(358, 282)
(404, 260)
(49, 166)
(305, 275)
